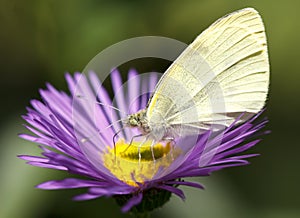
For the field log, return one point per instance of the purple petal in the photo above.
(133, 84)
(246, 156)
(47, 165)
(121, 189)
(186, 183)
(120, 99)
(135, 200)
(68, 184)
(33, 158)
(81, 167)
(86, 196)
(226, 161)
(174, 190)
(237, 150)
(153, 81)
(71, 83)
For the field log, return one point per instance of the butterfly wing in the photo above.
(223, 73)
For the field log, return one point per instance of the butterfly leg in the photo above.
(152, 152)
(131, 141)
(139, 148)
(171, 139)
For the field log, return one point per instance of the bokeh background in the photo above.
(41, 40)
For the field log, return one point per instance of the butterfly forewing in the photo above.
(222, 74)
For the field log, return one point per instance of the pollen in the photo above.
(136, 164)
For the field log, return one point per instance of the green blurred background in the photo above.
(41, 40)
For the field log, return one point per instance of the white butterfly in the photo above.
(222, 74)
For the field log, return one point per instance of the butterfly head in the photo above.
(138, 120)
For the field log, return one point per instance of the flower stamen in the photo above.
(139, 162)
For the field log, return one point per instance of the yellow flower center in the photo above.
(138, 163)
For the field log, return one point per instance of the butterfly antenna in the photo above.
(102, 104)
(83, 140)
(110, 125)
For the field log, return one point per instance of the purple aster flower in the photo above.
(82, 133)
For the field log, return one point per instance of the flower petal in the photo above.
(186, 183)
(86, 196)
(133, 90)
(135, 200)
(174, 190)
(68, 184)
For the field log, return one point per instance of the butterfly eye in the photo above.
(132, 121)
